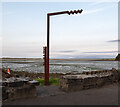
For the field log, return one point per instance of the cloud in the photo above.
(114, 41)
(85, 12)
(69, 51)
(103, 52)
(103, 1)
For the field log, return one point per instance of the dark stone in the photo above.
(4, 92)
(28, 78)
(16, 75)
(118, 57)
(15, 84)
(25, 91)
(7, 76)
(33, 83)
(4, 83)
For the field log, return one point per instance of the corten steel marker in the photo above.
(48, 31)
(45, 58)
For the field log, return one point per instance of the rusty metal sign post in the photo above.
(45, 65)
(46, 49)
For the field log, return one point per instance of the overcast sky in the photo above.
(92, 34)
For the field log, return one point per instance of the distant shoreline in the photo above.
(112, 59)
(27, 59)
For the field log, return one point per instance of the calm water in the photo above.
(57, 66)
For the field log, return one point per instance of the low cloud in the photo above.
(69, 51)
(104, 52)
(92, 11)
(85, 12)
(114, 41)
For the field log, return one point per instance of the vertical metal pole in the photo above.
(45, 59)
(48, 25)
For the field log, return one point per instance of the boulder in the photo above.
(118, 57)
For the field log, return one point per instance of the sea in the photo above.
(60, 66)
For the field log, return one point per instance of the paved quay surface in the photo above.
(51, 95)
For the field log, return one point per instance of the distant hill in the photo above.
(118, 57)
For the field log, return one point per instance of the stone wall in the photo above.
(88, 80)
(17, 88)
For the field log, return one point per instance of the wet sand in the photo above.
(51, 95)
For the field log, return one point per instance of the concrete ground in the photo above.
(51, 95)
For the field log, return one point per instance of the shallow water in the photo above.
(60, 66)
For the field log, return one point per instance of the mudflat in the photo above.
(52, 95)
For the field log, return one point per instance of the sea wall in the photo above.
(88, 80)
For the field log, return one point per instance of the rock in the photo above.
(23, 79)
(74, 72)
(3, 83)
(33, 83)
(118, 57)
(28, 78)
(15, 84)
(113, 69)
(7, 76)
(16, 75)
(4, 92)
